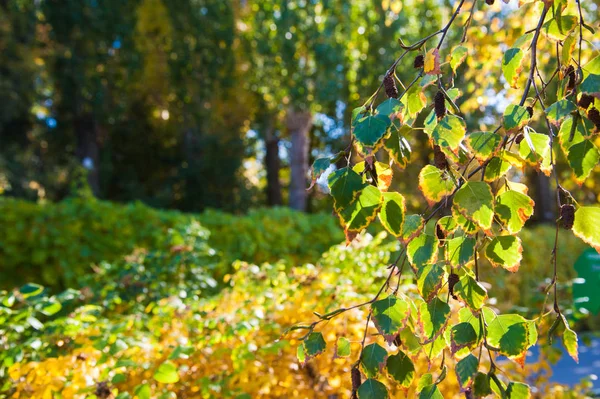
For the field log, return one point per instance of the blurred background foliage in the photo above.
(200, 106)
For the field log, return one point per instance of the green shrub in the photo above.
(55, 244)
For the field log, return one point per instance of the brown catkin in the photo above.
(440, 104)
(567, 215)
(530, 111)
(355, 379)
(419, 61)
(439, 158)
(585, 101)
(390, 86)
(519, 138)
(489, 2)
(397, 340)
(452, 280)
(570, 73)
(468, 393)
(594, 116)
(439, 232)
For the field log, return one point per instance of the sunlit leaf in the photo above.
(458, 56)
(466, 369)
(515, 117)
(435, 184)
(587, 220)
(372, 389)
(401, 369)
(422, 250)
(373, 359)
(429, 280)
(512, 65)
(471, 292)
(513, 210)
(483, 144)
(345, 185)
(370, 130)
(398, 147)
(390, 315)
(342, 347)
(432, 62)
(449, 132)
(392, 213)
(474, 200)
(505, 252)
(460, 250)
(560, 110)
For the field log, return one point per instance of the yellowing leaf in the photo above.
(432, 62)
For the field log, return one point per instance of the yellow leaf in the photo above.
(432, 62)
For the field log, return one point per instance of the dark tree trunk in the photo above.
(87, 149)
(273, 165)
(544, 198)
(299, 124)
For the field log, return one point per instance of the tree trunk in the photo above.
(273, 165)
(299, 124)
(543, 197)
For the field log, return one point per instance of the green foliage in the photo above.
(58, 243)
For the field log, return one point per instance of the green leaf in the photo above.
(583, 158)
(413, 224)
(401, 369)
(435, 184)
(398, 147)
(495, 169)
(474, 200)
(390, 315)
(458, 56)
(358, 114)
(587, 220)
(481, 385)
(558, 29)
(511, 65)
(343, 347)
(390, 108)
(471, 292)
(51, 308)
(466, 369)
(415, 99)
(511, 334)
(429, 280)
(462, 335)
(483, 144)
(467, 226)
(591, 85)
(392, 212)
(319, 166)
(449, 132)
(30, 290)
(518, 390)
(167, 373)
(301, 353)
(431, 392)
(515, 117)
(345, 185)
(142, 391)
(514, 209)
(447, 224)
(434, 316)
(536, 151)
(373, 359)
(362, 211)
(372, 389)
(425, 380)
(560, 110)
(181, 352)
(460, 250)
(506, 252)
(580, 132)
(370, 131)
(422, 250)
(570, 342)
(313, 345)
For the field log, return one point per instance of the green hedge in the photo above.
(55, 244)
